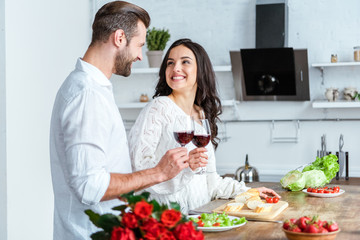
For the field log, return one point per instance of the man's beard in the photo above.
(123, 64)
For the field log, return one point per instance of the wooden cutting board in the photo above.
(250, 214)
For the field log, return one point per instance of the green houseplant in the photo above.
(156, 40)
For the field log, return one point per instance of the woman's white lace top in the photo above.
(152, 136)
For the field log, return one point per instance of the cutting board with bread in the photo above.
(251, 206)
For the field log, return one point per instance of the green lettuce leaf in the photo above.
(328, 164)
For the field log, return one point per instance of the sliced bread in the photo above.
(234, 207)
(243, 197)
(253, 192)
(265, 207)
(253, 202)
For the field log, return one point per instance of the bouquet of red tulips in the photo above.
(144, 219)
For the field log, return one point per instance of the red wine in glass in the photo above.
(202, 136)
(183, 129)
(183, 137)
(201, 140)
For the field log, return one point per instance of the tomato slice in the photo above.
(200, 223)
(217, 224)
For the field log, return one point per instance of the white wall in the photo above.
(43, 40)
(3, 192)
(323, 27)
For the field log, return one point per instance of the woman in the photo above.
(186, 86)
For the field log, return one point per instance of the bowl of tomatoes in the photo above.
(310, 228)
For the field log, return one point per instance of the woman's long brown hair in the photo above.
(206, 94)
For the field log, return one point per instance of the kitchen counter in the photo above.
(344, 209)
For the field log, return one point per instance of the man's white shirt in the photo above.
(87, 142)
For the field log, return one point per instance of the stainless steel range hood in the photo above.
(253, 86)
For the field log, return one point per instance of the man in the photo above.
(89, 154)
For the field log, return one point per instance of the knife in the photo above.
(341, 156)
(258, 220)
(338, 173)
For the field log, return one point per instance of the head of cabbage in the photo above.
(315, 178)
(293, 180)
(296, 180)
(317, 174)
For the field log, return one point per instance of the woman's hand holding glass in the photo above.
(198, 159)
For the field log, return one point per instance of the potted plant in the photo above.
(156, 40)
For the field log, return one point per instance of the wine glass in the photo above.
(183, 129)
(202, 136)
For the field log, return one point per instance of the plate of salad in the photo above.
(214, 222)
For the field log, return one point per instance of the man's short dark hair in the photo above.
(118, 15)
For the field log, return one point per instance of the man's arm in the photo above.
(174, 161)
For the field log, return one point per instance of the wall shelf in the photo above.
(140, 105)
(322, 66)
(226, 68)
(337, 104)
(338, 64)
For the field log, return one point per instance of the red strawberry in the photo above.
(293, 220)
(332, 226)
(324, 224)
(294, 228)
(322, 230)
(302, 222)
(286, 224)
(312, 228)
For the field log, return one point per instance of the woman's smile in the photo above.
(181, 70)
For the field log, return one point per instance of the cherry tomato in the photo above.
(217, 224)
(309, 189)
(320, 190)
(314, 190)
(200, 223)
(269, 200)
(275, 199)
(327, 191)
(336, 189)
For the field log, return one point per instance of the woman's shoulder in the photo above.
(162, 102)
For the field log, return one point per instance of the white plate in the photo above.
(324, 195)
(218, 229)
